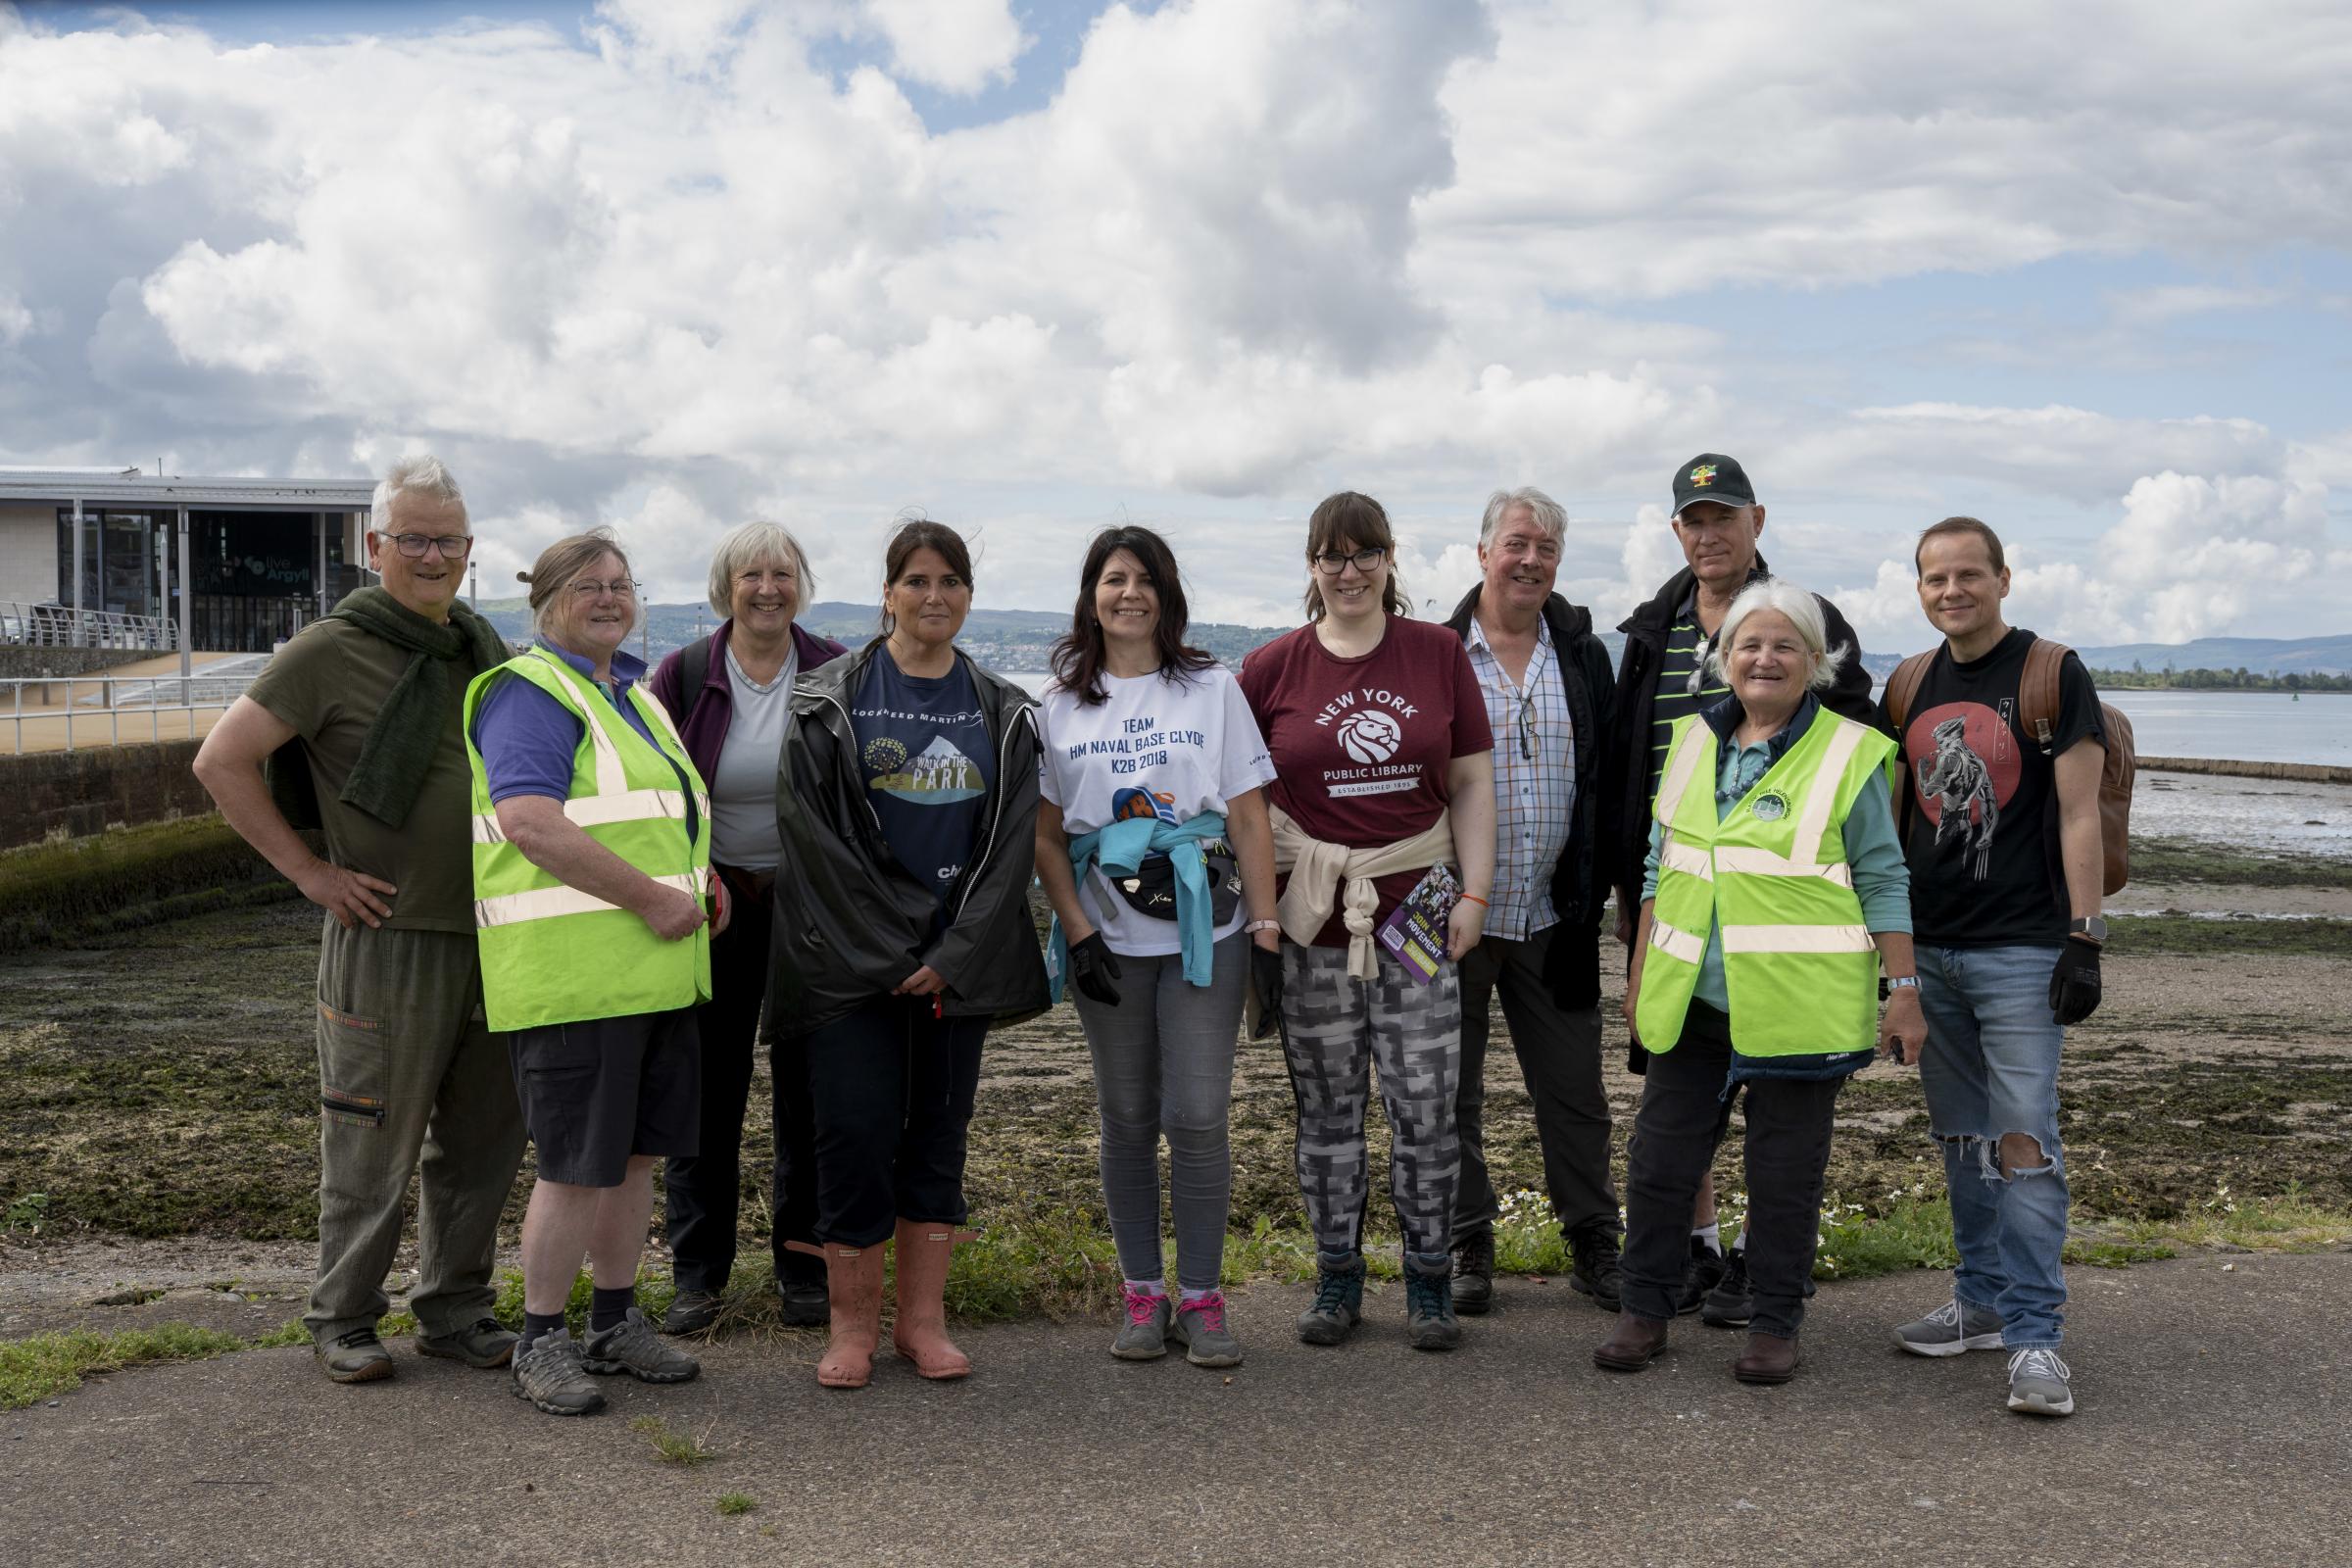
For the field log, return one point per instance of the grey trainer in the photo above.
(1338, 1303)
(1429, 1320)
(1952, 1327)
(1200, 1327)
(550, 1374)
(485, 1344)
(355, 1357)
(2039, 1383)
(1145, 1336)
(631, 1345)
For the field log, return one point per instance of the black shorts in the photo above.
(597, 1092)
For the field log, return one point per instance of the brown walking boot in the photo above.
(1768, 1359)
(920, 1332)
(1637, 1341)
(853, 1282)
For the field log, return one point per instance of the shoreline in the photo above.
(2226, 768)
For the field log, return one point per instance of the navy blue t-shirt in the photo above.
(927, 759)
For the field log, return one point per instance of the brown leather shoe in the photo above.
(1636, 1342)
(1768, 1358)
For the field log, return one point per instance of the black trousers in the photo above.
(704, 1190)
(891, 1088)
(1683, 1117)
(1559, 1058)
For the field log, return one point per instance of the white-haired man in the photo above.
(1552, 703)
(355, 729)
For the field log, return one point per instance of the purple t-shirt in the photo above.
(528, 738)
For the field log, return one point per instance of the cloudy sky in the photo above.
(1035, 265)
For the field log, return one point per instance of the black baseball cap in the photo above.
(1712, 476)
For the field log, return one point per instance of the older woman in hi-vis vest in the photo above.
(1773, 889)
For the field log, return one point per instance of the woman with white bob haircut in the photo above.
(1774, 888)
(727, 694)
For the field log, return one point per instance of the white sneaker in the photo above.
(2039, 1382)
(1952, 1329)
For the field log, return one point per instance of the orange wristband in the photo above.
(1475, 898)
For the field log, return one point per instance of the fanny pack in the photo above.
(1151, 890)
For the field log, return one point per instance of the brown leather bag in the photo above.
(2037, 714)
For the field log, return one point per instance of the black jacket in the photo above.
(850, 922)
(1579, 886)
(1625, 830)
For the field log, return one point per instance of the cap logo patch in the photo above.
(1704, 474)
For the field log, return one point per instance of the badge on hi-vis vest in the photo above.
(1769, 808)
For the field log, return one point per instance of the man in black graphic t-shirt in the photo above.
(2001, 833)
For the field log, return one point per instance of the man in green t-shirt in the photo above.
(355, 728)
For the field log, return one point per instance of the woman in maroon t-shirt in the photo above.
(1380, 739)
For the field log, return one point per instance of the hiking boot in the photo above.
(631, 1345)
(1953, 1327)
(1597, 1273)
(1200, 1327)
(355, 1357)
(691, 1312)
(1429, 1320)
(1768, 1359)
(1731, 1303)
(2039, 1383)
(1632, 1346)
(1700, 1275)
(804, 1303)
(1338, 1303)
(484, 1344)
(551, 1375)
(1474, 1275)
(1144, 1338)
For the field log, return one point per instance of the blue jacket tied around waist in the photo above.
(1120, 849)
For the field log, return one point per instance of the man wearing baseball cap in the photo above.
(1660, 678)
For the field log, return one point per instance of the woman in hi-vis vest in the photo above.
(1775, 887)
(591, 868)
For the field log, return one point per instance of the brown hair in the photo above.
(564, 560)
(921, 533)
(1952, 525)
(1077, 658)
(1358, 521)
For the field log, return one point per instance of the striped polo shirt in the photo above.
(1677, 693)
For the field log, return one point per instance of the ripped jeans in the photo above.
(1991, 1068)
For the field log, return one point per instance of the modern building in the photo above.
(208, 563)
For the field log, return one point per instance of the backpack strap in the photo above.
(1902, 686)
(693, 666)
(2037, 691)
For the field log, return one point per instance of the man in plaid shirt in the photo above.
(1552, 699)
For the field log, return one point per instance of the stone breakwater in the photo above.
(2299, 772)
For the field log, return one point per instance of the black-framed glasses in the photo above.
(1331, 562)
(452, 546)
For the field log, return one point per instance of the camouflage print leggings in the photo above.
(1334, 1030)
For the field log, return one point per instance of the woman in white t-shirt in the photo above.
(1153, 846)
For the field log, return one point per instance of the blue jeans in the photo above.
(1991, 1068)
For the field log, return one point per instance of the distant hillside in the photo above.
(2262, 656)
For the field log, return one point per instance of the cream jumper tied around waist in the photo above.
(1326, 874)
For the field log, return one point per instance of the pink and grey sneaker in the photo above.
(1200, 1327)
(1144, 1338)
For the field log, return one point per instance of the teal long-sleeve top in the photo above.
(1873, 853)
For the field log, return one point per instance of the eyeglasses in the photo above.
(586, 588)
(1331, 562)
(1527, 724)
(452, 546)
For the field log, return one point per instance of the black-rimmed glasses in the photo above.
(452, 546)
(1331, 562)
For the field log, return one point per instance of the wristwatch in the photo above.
(2089, 925)
(1903, 982)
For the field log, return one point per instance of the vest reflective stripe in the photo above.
(551, 953)
(544, 903)
(1798, 965)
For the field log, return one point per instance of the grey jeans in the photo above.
(1164, 1063)
(411, 1084)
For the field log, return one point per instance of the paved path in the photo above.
(2216, 1428)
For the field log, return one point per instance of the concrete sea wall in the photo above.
(75, 794)
(2300, 772)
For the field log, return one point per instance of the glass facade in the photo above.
(258, 577)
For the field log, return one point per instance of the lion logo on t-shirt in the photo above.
(1370, 735)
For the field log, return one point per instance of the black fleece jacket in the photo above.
(1578, 885)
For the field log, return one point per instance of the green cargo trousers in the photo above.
(410, 1082)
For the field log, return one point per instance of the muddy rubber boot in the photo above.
(920, 1332)
(853, 1282)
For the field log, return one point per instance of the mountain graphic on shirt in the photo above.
(939, 775)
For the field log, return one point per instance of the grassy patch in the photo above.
(732, 1503)
(2169, 861)
(2142, 935)
(669, 1444)
(136, 876)
(49, 1364)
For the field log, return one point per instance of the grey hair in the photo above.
(419, 476)
(1804, 613)
(756, 544)
(1549, 515)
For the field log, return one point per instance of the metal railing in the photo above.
(61, 626)
(66, 713)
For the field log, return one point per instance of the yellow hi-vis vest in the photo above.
(1798, 965)
(551, 953)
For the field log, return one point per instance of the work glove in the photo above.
(1093, 966)
(1265, 969)
(2075, 982)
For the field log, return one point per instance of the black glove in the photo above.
(1093, 966)
(1265, 969)
(2075, 982)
